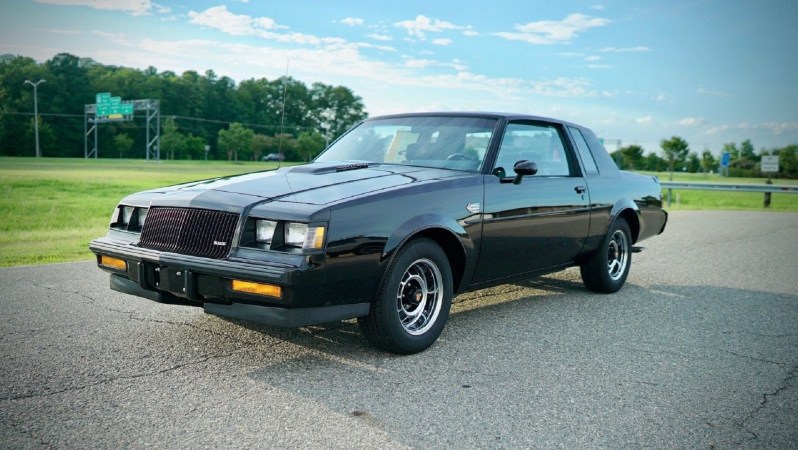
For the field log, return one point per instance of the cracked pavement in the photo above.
(698, 350)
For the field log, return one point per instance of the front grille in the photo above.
(196, 232)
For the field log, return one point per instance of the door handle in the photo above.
(580, 189)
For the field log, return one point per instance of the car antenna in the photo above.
(282, 118)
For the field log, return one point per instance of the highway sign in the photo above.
(770, 164)
(112, 108)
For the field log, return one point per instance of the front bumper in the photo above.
(175, 278)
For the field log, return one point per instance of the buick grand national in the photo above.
(386, 225)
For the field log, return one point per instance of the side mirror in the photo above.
(524, 167)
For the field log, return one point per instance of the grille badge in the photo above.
(219, 243)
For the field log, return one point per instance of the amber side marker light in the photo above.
(269, 290)
(113, 263)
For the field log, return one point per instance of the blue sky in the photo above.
(710, 71)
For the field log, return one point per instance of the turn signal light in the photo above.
(249, 287)
(113, 263)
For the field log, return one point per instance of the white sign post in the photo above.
(770, 164)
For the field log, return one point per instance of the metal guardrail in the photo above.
(791, 189)
(768, 189)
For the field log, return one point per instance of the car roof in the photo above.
(491, 115)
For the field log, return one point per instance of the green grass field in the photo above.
(51, 208)
(694, 200)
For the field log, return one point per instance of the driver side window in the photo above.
(540, 143)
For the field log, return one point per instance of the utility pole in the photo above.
(36, 113)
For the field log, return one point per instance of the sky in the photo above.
(634, 71)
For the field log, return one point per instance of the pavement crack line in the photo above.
(80, 294)
(766, 399)
(203, 360)
(752, 358)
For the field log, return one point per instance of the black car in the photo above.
(388, 224)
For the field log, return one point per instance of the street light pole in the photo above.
(36, 113)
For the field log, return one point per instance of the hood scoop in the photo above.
(332, 168)
(349, 167)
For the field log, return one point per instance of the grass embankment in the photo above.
(51, 208)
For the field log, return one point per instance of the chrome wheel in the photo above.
(419, 297)
(411, 308)
(606, 269)
(617, 255)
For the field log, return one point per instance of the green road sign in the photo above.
(112, 108)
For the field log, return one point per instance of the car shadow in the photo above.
(343, 339)
(539, 339)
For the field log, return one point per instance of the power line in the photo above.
(194, 119)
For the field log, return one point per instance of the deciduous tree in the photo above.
(675, 150)
(236, 140)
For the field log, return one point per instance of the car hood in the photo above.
(316, 184)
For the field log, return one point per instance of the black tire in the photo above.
(607, 268)
(412, 307)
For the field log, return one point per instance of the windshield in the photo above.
(431, 141)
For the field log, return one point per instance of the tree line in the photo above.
(235, 121)
(744, 161)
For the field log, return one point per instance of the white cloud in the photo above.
(459, 65)
(220, 18)
(379, 37)
(593, 58)
(117, 38)
(778, 128)
(135, 7)
(235, 24)
(566, 87)
(423, 24)
(692, 121)
(161, 9)
(470, 31)
(662, 97)
(548, 32)
(442, 41)
(639, 48)
(352, 22)
(419, 63)
(647, 120)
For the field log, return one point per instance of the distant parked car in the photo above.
(389, 223)
(274, 157)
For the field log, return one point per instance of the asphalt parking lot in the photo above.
(698, 350)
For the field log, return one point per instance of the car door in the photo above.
(541, 222)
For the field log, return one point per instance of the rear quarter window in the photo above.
(584, 151)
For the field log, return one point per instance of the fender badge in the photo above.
(473, 208)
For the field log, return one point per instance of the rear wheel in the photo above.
(412, 307)
(608, 267)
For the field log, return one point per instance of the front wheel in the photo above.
(412, 306)
(607, 268)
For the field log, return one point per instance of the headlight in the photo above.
(302, 236)
(142, 216)
(264, 230)
(130, 218)
(127, 214)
